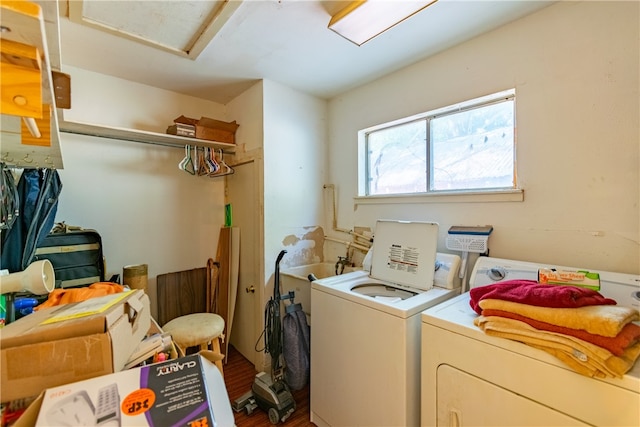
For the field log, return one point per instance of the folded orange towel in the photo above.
(583, 357)
(605, 320)
(628, 336)
(66, 296)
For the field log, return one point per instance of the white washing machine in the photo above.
(469, 378)
(365, 344)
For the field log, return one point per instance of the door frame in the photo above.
(255, 160)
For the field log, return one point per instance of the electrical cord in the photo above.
(273, 334)
(273, 328)
(272, 325)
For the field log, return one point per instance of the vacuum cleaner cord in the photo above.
(273, 333)
(273, 330)
(272, 326)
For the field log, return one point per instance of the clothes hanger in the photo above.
(182, 162)
(211, 160)
(187, 163)
(220, 165)
(225, 168)
(203, 164)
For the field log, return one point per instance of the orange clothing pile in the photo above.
(66, 296)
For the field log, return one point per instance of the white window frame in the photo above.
(481, 195)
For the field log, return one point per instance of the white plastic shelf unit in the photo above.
(141, 136)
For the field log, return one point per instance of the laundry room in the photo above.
(300, 170)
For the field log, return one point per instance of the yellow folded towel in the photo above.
(583, 357)
(605, 320)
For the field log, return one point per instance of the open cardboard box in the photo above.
(185, 391)
(211, 129)
(71, 342)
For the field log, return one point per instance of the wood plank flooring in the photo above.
(238, 377)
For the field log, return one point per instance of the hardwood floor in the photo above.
(238, 377)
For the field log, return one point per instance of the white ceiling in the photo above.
(286, 41)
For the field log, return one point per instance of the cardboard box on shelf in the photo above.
(71, 342)
(188, 391)
(210, 129)
(181, 129)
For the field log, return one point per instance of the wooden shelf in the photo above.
(141, 136)
(33, 24)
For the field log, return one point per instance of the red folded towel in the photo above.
(628, 336)
(533, 293)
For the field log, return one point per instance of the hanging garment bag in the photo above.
(296, 347)
(38, 191)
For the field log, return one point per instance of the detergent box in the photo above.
(584, 279)
(188, 391)
(71, 342)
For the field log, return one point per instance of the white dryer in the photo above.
(365, 344)
(469, 378)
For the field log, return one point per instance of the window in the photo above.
(461, 148)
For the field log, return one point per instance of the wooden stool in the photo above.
(199, 329)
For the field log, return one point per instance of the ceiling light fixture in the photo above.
(360, 21)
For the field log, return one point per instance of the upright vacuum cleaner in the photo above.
(270, 392)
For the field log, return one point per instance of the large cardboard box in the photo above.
(71, 342)
(210, 129)
(188, 391)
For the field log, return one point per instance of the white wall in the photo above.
(294, 170)
(246, 109)
(100, 99)
(145, 208)
(575, 69)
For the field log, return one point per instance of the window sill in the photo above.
(452, 197)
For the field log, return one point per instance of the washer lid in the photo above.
(404, 252)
